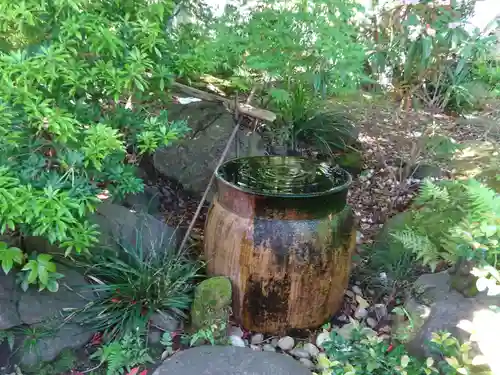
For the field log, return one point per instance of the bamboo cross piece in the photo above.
(243, 108)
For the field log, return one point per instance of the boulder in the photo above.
(121, 226)
(147, 201)
(230, 360)
(192, 160)
(212, 302)
(434, 306)
(37, 319)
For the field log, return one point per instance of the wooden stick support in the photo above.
(243, 108)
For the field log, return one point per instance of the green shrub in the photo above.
(80, 84)
(429, 52)
(133, 285)
(454, 220)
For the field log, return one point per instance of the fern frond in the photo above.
(431, 192)
(421, 246)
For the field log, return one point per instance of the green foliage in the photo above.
(64, 363)
(488, 72)
(134, 284)
(454, 220)
(42, 271)
(455, 358)
(124, 354)
(365, 353)
(37, 269)
(214, 334)
(80, 84)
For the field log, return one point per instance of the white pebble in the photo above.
(306, 362)
(322, 338)
(371, 322)
(360, 313)
(286, 343)
(356, 289)
(257, 338)
(311, 349)
(236, 331)
(362, 303)
(299, 353)
(236, 341)
(268, 348)
(257, 348)
(274, 342)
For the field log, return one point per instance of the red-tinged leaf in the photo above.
(134, 371)
(144, 372)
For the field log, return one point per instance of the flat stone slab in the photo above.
(230, 360)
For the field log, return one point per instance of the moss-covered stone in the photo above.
(212, 302)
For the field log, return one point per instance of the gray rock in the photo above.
(154, 336)
(165, 321)
(228, 360)
(434, 306)
(193, 159)
(39, 317)
(286, 343)
(52, 342)
(255, 347)
(9, 294)
(35, 307)
(147, 201)
(122, 227)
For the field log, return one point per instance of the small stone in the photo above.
(311, 349)
(350, 294)
(346, 330)
(342, 318)
(322, 338)
(237, 341)
(372, 323)
(385, 336)
(362, 302)
(360, 313)
(385, 329)
(306, 362)
(286, 343)
(257, 338)
(380, 311)
(274, 342)
(236, 331)
(299, 353)
(257, 348)
(268, 348)
(357, 290)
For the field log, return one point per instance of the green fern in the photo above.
(452, 220)
(126, 353)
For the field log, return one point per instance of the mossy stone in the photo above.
(212, 302)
